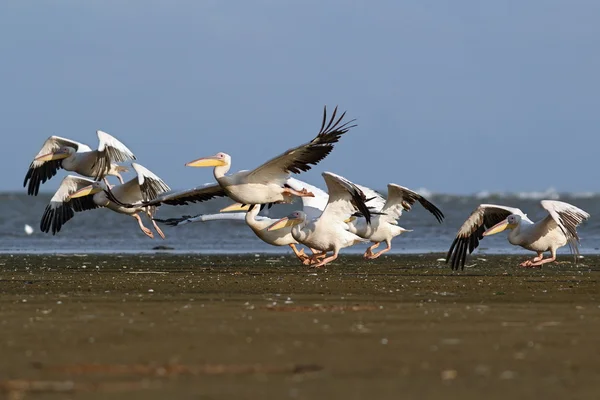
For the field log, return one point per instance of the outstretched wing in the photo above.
(400, 198)
(471, 232)
(567, 217)
(40, 171)
(62, 208)
(110, 151)
(345, 198)
(179, 198)
(151, 185)
(301, 158)
(375, 201)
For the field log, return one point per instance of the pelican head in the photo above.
(295, 218)
(94, 188)
(218, 160)
(59, 154)
(511, 222)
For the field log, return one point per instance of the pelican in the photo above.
(259, 224)
(80, 194)
(58, 152)
(330, 231)
(384, 223)
(265, 184)
(549, 234)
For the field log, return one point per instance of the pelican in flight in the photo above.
(549, 234)
(258, 223)
(265, 184)
(77, 157)
(384, 222)
(329, 231)
(77, 194)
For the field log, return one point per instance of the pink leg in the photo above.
(300, 254)
(369, 252)
(147, 231)
(301, 193)
(327, 260)
(529, 263)
(388, 248)
(158, 230)
(541, 262)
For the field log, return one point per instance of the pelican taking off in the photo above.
(330, 231)
(384, 224)
(258, 223)
(265, 184)
(79, 194)
(549, 234)
(77, 157)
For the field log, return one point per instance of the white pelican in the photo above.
(79, 194)
(548, 234)
(258, 223)
(77, 157)
(384, 222)
(330, 231)
(265, 184)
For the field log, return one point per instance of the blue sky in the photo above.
(454, 96)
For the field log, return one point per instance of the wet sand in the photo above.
(208, 327)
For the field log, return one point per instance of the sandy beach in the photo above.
(263, 326)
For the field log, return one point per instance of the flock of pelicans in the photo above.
(328, 222)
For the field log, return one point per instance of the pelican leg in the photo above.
(369, 252)
(301, 193)
(327, 260)
(147, 231)
(158, 230)
(388, 248)
(529, 263)
(120, 178)
(300, 254)
(541, 262)
(315, 258)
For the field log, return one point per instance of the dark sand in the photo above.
(239, 327)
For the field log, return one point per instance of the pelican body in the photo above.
(80, 194)
(57, 153)
(330, 231)
(549, 234)
(384, 223)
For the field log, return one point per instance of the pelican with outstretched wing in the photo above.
(330, 230)
(384, 222)
(267, 183)
(549, 234)
(259, 224)
(77, 194)
(57, 153)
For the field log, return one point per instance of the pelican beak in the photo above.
(284, 222)
(499, 227)
(212, 161)
(351, 219)
(90, 189)
(236, 207)
(57, 155)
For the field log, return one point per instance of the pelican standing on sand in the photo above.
(330, 231)
(384, 223)
(77, 194)
(265, 184)
(549, 234)
(77, 157)
(259, 224)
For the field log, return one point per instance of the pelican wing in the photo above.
(375, 201)
(301, 158)
(110, 151)
(194, 195)
(151, 185)
(471, 232)
(567, 217)
(62, 208)
(187, 219)
(312, 206)
(401, 198)
(345, 198)
(40, 171)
